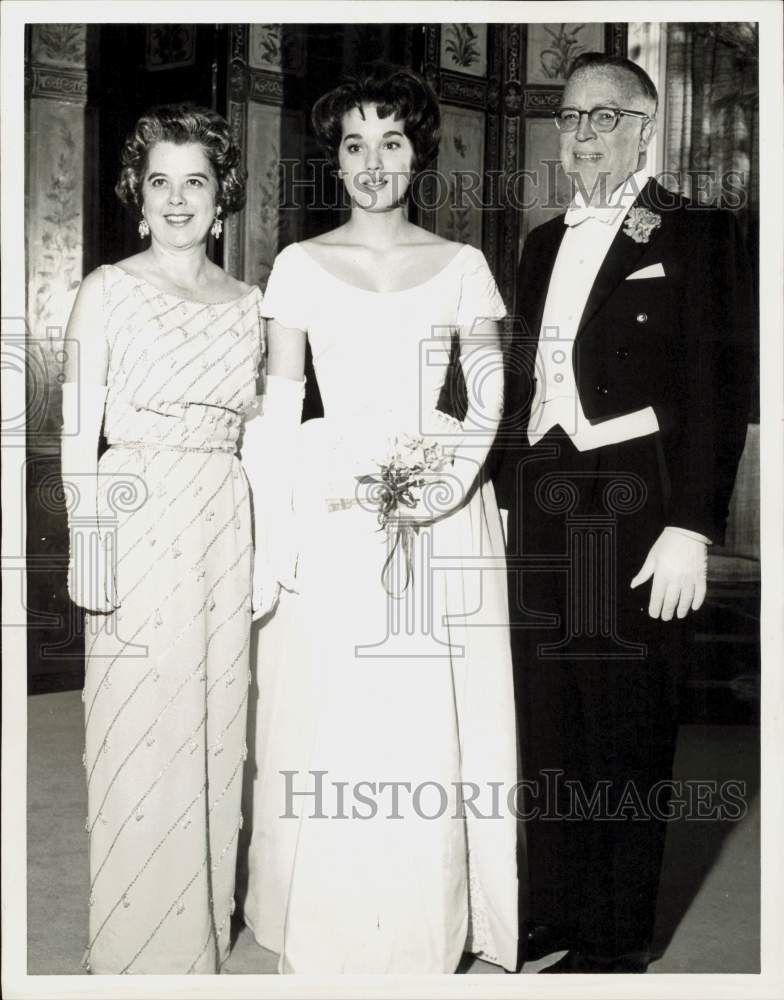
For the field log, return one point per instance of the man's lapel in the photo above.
(540, 280)
(621, 260)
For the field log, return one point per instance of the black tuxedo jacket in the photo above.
(681, 343)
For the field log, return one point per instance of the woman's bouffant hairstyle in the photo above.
(395, 91)
(183, 124)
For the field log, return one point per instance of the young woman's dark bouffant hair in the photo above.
(395, 91)
(181, 124)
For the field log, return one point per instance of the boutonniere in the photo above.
(640, 223)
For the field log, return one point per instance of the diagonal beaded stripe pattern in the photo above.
(166, 681)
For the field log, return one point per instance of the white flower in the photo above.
(640, 223)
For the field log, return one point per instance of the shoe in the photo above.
(544, 939)
(579, 962)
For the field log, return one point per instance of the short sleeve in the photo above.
(285, 298)
(479, 295)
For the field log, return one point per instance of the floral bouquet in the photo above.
(410, 468)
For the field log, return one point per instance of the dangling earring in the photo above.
(144, 228)
(217, 226)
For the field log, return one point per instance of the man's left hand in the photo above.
(678, 565)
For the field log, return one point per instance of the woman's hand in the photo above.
(91, 580)
(269, 455)
(266, 588)
(274, 567)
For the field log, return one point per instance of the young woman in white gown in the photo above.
(373, 707)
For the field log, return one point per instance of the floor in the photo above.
(708, 919)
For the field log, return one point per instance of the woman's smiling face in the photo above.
(376, 158)
(179, 194)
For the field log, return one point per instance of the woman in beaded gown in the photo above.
(172, 345)
(378, 705)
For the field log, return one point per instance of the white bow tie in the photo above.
(576, 214)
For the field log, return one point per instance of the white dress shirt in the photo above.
(580, 256)
(590, 232)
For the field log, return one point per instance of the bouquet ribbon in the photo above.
(404, 535)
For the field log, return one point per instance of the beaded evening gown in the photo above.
(359, 690)
(167, 674)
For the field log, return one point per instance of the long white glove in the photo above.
(91, 582)
(269, 456)
(470, 439)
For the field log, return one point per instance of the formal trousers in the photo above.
(595, 686)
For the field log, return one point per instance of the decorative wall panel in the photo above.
(170, 46)
(462, 62)
(464, 48)
(552, 48)
(269, 226)
(59, 172)
(512, 75)
(545, 190)
(55, 220)
(57, 175)
(266, 62)
(61, 45)
(461, 161)
(278, 48)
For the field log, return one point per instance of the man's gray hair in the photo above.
(600, 60)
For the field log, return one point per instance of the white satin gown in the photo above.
(363, 696)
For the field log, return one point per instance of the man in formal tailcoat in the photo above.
(626, 409)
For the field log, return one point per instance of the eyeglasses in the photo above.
(601, 119)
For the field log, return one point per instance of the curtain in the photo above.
(711, 154)
(711, 149)
(712, 118)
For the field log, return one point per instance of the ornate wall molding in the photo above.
(514, 48)
(507, 262)
(59, 84)
(541, 101)
(510, 153)
(265, 84)
(239, 81)
(237, 116)
(238, 42)
(266, 87)
(493, 94)
(468, 91)
(432, 49)
(513, 98)
(616, 38)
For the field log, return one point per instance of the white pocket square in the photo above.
(652, 271)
